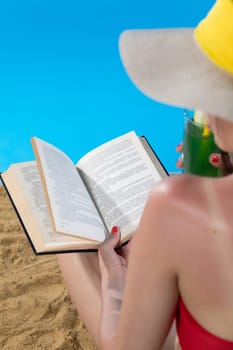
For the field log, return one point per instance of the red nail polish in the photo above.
(114, 229)
(215, 158)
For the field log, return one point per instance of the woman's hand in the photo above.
(179, 149)
(113, 267)
(214, 158)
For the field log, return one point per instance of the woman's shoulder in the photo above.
(190, 204)
(185, 188)
(182, 205)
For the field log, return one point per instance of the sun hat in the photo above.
(186, 67)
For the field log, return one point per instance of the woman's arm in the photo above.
(150, 296)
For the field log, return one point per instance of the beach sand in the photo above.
(35, 309)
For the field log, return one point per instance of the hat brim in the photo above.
(168, 66)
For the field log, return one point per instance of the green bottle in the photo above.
(198, 145)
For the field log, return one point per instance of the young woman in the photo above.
(181, 256)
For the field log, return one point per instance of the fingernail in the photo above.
(179, 164)
(215, 158)
(178, 147)
(114, 229)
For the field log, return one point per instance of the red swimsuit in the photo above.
(193, 337)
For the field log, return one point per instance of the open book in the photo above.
(65, 207)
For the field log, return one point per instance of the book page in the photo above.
(120, 175)
(24, 184)
(72, 208)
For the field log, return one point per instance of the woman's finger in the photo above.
(179, 148)
(179, 163)
(124, 251)
(107, 253)
(215, 160)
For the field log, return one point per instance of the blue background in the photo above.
(61, 78)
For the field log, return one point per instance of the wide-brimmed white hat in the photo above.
(169, 66)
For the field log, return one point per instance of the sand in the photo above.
(35, 309)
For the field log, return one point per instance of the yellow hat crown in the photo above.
(214, 34)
